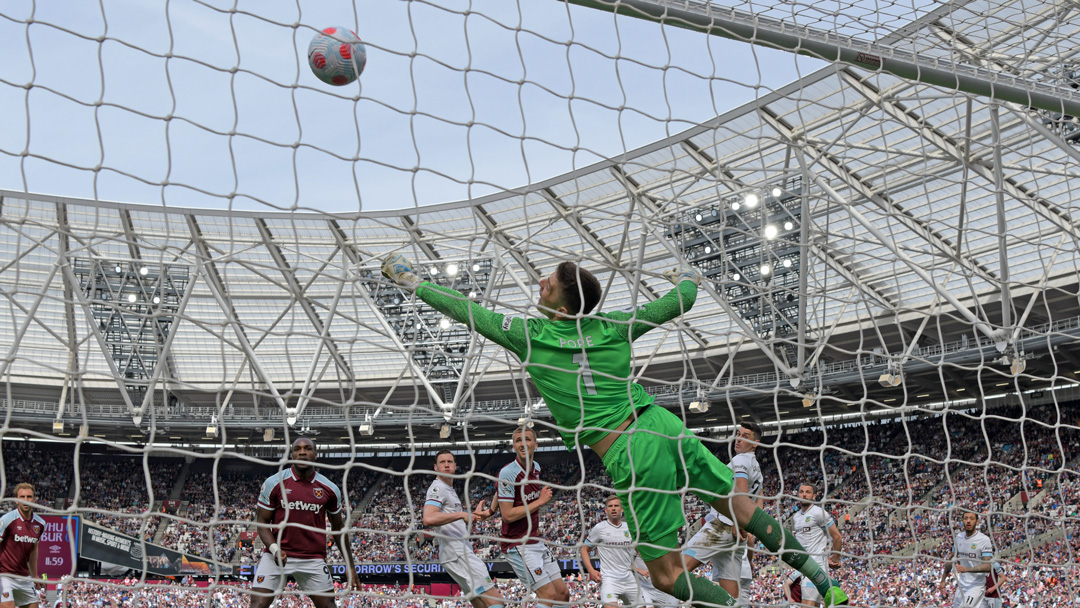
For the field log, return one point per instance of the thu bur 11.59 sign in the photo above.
(58, 546)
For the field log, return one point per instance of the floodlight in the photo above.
(890, 380)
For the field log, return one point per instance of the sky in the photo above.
(212, 105)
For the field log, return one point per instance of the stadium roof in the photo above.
(904, 190)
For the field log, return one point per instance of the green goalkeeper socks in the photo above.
(705, 593)
(773, 536)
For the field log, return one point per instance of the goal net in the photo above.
(879, 199)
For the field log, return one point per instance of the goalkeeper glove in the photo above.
(398, 269)
(683, 273)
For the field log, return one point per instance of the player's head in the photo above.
(25, 492)
(613, 508)
(806, 493)
(569, 291)
(524, 442)
(303, 449)
(970, 519)
(445, 463)
(747, 436)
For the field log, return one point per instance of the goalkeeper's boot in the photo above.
(835, 596)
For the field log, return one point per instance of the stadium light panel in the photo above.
(890, 380)
(58, 426)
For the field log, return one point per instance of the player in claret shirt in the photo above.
(520, 497)
(291, 503)
(20, 531)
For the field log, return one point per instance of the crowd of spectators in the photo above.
(911, 583)
(113, 492)
(897, 489)
(49, 471)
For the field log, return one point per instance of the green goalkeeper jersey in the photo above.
(580, 366)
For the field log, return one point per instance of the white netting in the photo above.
(890, 260)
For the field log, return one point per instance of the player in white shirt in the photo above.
(974, 554)
(613, 544)
(443, 512)
(718, 540)
(813, 526)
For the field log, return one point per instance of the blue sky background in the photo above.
(459, 99)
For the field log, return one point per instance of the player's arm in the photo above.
(586, 562)
(983, 566)
(511, 513)
(837, 546)
(742, 486)
(999, 577)
(948, 568)
(676, 302)
(31, 563)
(264, 519)
(341, 536)
(508, 333)
(434, 516)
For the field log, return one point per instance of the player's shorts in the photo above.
(21, 591)
(312, 575)
(533, 565)
(658, 457)
(615, 588)
(715, 542)
(809, 591)
(651, 596)
(970, 598)
(470, 574)
(746, 578)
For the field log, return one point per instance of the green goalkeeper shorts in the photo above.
(652, 465)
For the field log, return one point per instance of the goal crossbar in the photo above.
(772, 33)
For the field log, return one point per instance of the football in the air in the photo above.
(337, 56)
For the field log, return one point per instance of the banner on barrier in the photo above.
(106, 545)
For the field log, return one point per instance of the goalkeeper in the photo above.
(580, 363)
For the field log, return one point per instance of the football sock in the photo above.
(773, 536)
(705, 593)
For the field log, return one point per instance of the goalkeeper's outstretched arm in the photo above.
(675, 303)
(506, 332)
